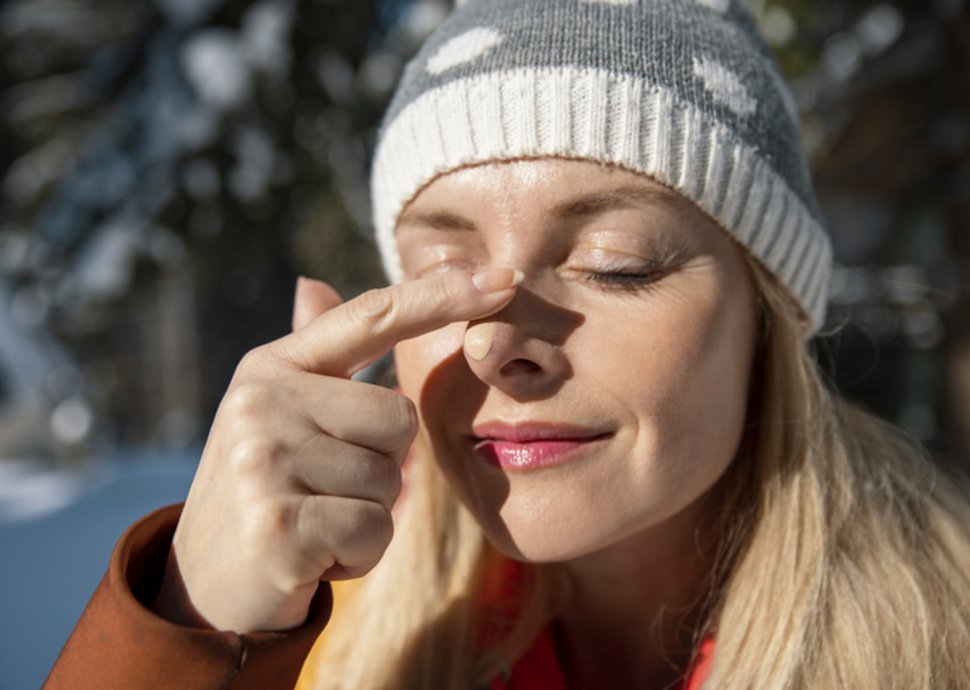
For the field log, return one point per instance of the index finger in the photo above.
(351, 336)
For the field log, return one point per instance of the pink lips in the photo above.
(532, 446)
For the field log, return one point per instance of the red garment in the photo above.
(119, 643)
(538, 668)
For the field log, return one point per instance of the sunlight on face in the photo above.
(610, 394)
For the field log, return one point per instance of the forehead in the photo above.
(530, 199)
(566, 189)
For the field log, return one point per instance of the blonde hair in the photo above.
(843, 561)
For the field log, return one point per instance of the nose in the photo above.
(521, 349)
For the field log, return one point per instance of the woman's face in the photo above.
(610, 394)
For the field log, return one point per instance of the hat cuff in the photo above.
(614, 119)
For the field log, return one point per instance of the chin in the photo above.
(538, 546)
(544, 528)
(578, 519)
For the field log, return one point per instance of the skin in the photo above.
(555, 353)
(627, 516)
(296, 481)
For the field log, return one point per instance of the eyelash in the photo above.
(620, 280)
(625, 280)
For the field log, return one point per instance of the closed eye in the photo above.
(625, 280)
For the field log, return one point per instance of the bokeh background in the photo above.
(170, 166)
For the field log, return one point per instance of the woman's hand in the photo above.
(303, 464)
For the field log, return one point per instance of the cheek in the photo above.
(416, 359)
(689, 397)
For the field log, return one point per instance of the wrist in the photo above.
(172, 601)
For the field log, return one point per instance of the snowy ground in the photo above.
(56, 533)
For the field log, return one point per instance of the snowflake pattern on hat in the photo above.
(463, 48)
(726, 86)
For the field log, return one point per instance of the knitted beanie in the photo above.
(683, 91)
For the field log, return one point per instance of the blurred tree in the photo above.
(171, 166)
(886, 103)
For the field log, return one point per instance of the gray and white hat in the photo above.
(683, 91)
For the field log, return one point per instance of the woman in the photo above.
(625, 470)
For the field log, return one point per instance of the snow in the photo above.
(56, 534)
(214, 64)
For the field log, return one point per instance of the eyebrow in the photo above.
(581, 207)
(436, 220)
(620, 197)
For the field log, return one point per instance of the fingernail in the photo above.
(496, 279)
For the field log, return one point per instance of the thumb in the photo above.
(312, 298)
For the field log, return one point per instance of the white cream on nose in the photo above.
(478, 340)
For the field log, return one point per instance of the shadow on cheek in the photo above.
(450, 398)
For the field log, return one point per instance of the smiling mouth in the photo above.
(533, 446)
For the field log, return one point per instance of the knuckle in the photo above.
(370, 561)
(381, 525)
(254, 360)
(375, 307)
(396, 482)
(400, 421)
(363, 536)
(406, 416)
(248, 399)
(389, 479)
(408, 430)
(446, 292)
(286, 581)
(374, 521)
(266, 522)
(255, 457)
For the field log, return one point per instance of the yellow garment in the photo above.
(342, 591)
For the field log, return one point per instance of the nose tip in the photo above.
(521, 350)
(508, 358)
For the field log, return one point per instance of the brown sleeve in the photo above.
(119, 643)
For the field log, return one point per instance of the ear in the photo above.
(312, 298)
